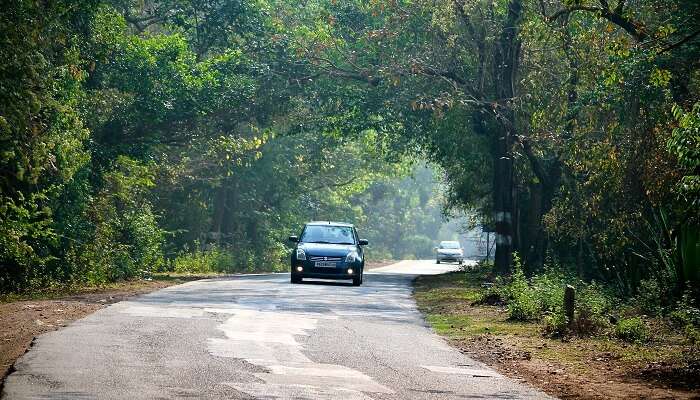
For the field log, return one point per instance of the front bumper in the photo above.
(450, 257)
(340, 271)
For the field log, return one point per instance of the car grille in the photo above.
(323, 258)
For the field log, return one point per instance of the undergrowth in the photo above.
(598, 312)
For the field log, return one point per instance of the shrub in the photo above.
(542, 297)
(549, 290)
(685, 313)
(378, 254)
(495, 294)
(632, 330)
(653, 294)
(204, 261)
(491, 296)
(687, 317)
(263, 256)
(555, 324)
(592, 304)
(126, 241)
(522, 300)
(692, 334)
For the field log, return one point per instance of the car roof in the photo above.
(449, 241)
(329, 223)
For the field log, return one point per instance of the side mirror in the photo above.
(363, 242)
(293, 239)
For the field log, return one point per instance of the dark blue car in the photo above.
(328, 250)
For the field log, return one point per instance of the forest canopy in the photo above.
(145, 136)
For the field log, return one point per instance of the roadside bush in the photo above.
(549, 290)
(226, 260)
(530, 300)
(496, 293)
(120, 238)
(541, 298)
(687, 317)
(654, 294)
(632, 330)
(685, 313)
(593, 302)
(377, 253)
(204, 261)
(523, 304)
(692, 334)
(555, 324)
(492, 296)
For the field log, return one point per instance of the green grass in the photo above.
(449, 303)
(439, 296)
(463, 326)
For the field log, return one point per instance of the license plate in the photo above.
(325, 264)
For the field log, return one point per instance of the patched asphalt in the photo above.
(260, 337)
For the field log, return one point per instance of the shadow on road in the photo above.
(326, 283)
(383, 296)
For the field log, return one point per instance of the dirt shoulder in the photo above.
(22, 319)
(580, 368)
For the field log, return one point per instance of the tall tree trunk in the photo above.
(506, 68)
(220, 204)
(503, 204)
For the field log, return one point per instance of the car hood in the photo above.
(324, 249)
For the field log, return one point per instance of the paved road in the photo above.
(259, 337)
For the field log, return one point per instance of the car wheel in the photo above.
(357, 281)
(437, 261)
(296, 279)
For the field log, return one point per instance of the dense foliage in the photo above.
(185, 134)
(571, 126)
(139, 138)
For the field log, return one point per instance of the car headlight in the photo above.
(301, 254)
(352, 257)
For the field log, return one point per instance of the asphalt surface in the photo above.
(259, 337)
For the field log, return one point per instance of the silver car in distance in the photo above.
(449, 250)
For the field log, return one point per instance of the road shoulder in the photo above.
(581, 368)
(23, 319)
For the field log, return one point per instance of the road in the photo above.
(259, 337)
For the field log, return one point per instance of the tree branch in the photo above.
(566, 11)
(681, 42)
(336, 184)
(633, 28)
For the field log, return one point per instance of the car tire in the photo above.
(357, 281)
(437, 261)
(296, 279)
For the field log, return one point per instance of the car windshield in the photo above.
(328, 234)
(449, 245)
